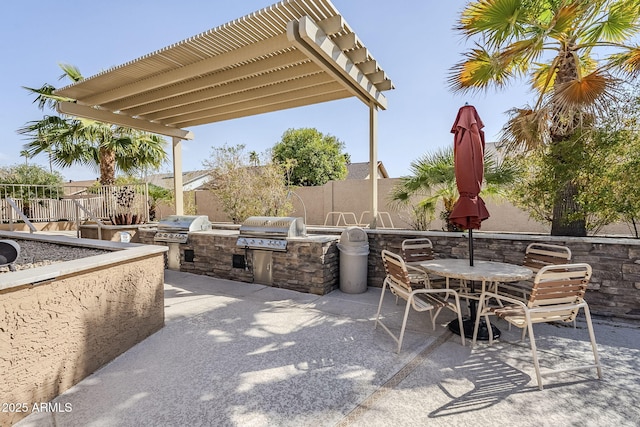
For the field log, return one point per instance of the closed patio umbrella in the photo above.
(470, 210)
(468, 150)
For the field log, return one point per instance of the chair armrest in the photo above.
(436, 291)
(414, 269)
(500, 297)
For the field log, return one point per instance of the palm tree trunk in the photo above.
(107, 166)
(563, 128)
(565, 205)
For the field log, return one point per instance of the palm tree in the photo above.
(70, 141)
(552, 43)
(26, 155)
(433, 178)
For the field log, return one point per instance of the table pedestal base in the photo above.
(468, 325)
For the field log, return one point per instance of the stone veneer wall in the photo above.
(615, 285)
(306, 266)
(56, 333)
(614, 289)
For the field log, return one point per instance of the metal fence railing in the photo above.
(40, 203)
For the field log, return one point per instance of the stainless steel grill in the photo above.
(176, 228)
(270, 232)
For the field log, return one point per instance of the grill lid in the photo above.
(184, 223)
(273, 226)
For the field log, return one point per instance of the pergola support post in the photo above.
(373, 162)
(177, 176)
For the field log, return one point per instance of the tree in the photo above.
(317, 158)
(607, 171)
(554, 44)
(25, 154)
(433, 180)
(244, 186)
(613, 170)
(30, 175)
(27, 182)
(70, 141)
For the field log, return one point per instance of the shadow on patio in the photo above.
(243, 354)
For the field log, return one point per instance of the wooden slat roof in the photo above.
(290, 54)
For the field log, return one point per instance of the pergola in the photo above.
(290, 54)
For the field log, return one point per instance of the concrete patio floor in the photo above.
(238, 354)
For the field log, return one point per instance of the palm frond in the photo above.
(480, 71)
(590, 93)
(497, 20)
(619, 23)
(527, 129)
(543, 76)
(71, 72)
(564, 19)
(522, 53)
(627, 62)
(45, 96)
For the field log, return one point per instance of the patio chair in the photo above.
(431, 300)
(415, 251)
(536, 256)
(556, 296)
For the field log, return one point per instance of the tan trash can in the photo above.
(354, 254)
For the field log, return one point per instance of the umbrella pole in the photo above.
(472, 302)
(471, 247)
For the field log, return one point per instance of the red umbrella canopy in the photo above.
(468, 149)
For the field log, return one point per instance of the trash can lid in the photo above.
(353, 249)
(354, 236)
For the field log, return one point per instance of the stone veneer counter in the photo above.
(310, 263)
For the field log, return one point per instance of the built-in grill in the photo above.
(270, 232)
(261, 236)
(176, 228)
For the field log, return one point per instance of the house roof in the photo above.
(290, 54)
(165, 180)
(362, 170)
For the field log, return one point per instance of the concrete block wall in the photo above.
(56, 333)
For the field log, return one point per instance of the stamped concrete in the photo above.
(238, 354)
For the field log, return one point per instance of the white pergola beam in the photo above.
(332, 25)
(275, 105)
(347, 41)
(73, 109)
(140, 104)
(358, 55)
(385, 85)
(369, 67)
(240, 109)
(377, 77)
(227, 94)
(306, 35)
(189, 71)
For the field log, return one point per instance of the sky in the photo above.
(412, 40)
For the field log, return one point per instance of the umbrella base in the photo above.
(468, 325)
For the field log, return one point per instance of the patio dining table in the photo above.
(489, 273)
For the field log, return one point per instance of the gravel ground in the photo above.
(36, 254)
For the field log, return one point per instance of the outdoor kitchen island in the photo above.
(309, 264)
